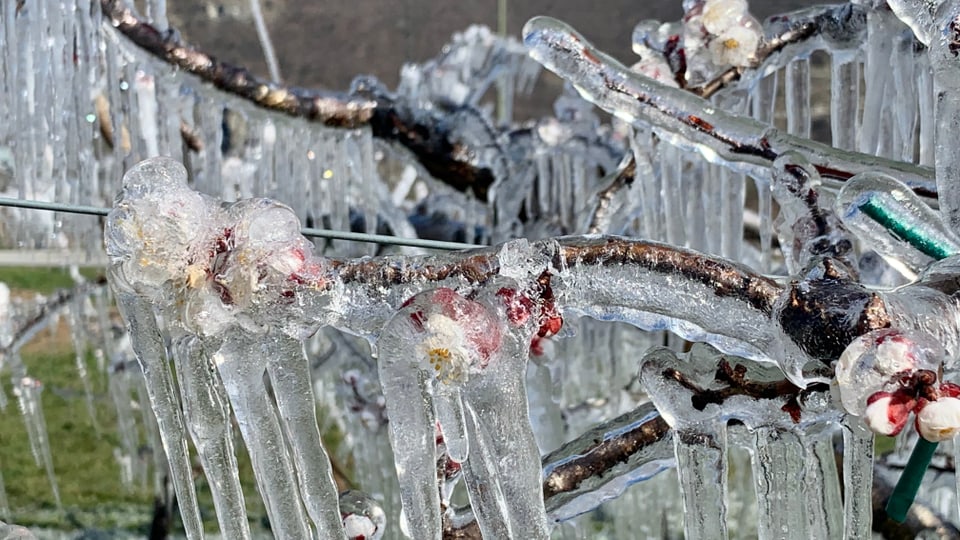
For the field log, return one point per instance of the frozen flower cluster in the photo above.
(218, 261)
(714, 35)
(887, 375)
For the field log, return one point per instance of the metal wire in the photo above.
(319, 233)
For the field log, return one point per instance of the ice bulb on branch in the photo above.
(459, 362)
(886, 375)
(882, 361)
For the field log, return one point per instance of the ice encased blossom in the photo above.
(718, 16)
(363, 518)
(735, 46)
(159, 227)
(939, 420)
(455, 361)
(873, 362)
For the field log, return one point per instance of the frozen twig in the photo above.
(838, 25)
(60, 300)
(691, 122)
(329, 109)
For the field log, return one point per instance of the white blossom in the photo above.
(445, 348)
(720, 15)
(735, 46)
(939, 420)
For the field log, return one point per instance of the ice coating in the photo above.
(873, 362)
(807, 228)
(208, 270)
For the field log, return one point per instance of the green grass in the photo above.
(42, 280)
(87, 474)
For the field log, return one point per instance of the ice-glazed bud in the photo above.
(887, 413)
(264, 248)
(939, 420)
(735, 46)
(457, 334)
(363, 518)
(877, 361)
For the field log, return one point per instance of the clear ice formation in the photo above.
(228, 294)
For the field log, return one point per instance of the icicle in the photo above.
(904, 107)
(797, 90)
(926, 111)
(119, 389)
(27, 390)
(778, 470)
(148, 346)
(80, 356)
(876, 67)
(821, 485)
(765, 210)
(702, 467)
(242, 364)
(844, 100)
(857, 479)
(4, 503)
(208, 419)
(671, 178)
(290, 375)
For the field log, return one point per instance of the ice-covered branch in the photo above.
(426, 134)
(251, 260)
(691, 122)
(331, 110)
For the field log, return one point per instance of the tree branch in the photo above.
(60, 300)
(422, 132)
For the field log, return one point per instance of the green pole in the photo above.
(902, 497)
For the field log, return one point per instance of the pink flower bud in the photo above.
(887, 413)
(939, 420)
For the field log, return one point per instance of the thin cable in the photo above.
(319, 233)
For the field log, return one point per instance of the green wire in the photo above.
(876, 210)
(906, 489)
